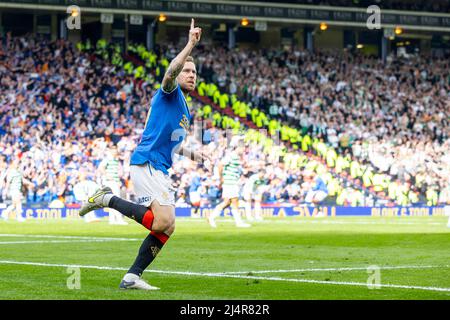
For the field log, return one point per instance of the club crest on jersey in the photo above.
(165, 196)
(184, 123)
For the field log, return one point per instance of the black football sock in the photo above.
(147, 252)
(141, 214)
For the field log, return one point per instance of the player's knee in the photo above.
(169, 222)
(170, 230)
(163, 223)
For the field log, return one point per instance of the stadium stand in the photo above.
(60, 123)
(392, 119)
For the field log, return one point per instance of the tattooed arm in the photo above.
(169, 81)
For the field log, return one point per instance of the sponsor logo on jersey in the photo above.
(143, 199)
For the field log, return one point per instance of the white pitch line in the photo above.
(332, 269)
(14, 235)
(379, 223)
(222, 275)
(55, 241)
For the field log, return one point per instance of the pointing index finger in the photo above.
(192, 23)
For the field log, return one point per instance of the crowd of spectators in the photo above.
(393, 115)
(61, 109)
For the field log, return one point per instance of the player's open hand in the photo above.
(194, 33)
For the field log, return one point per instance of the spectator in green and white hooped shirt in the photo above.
(230, 169)
(13, 187)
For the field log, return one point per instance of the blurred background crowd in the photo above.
(63, 107)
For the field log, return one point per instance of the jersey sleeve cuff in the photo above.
(170, 92)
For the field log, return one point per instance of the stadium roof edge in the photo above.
(237, 17)
(321, 7)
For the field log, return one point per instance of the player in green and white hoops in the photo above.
(13, 188)
(230, 172)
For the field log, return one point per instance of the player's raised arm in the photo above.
(169, 81)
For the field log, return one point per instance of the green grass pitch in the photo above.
(279, 258)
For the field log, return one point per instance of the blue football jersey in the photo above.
(320, 185)
(167, 125)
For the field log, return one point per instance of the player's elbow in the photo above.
(168, 80)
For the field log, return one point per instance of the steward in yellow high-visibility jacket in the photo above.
(284, 133)
(223, 100)
(306, 143)
(216, 96)
(165, 63)
(340, 162)
(254, 113)
(431, 196)
(331, 157)
(139, 72)
(217, 118)
(379, 182)
(273, 126)
(207, 111)
(342, 197)
(243, 109)
(201, 88)
(322, 149)
(367, 177)
(333, 187)
(355, 169)
(413, 197)
(402, 195)
(211, 89)
(128, 67)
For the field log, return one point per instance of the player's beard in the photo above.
(187, 88)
